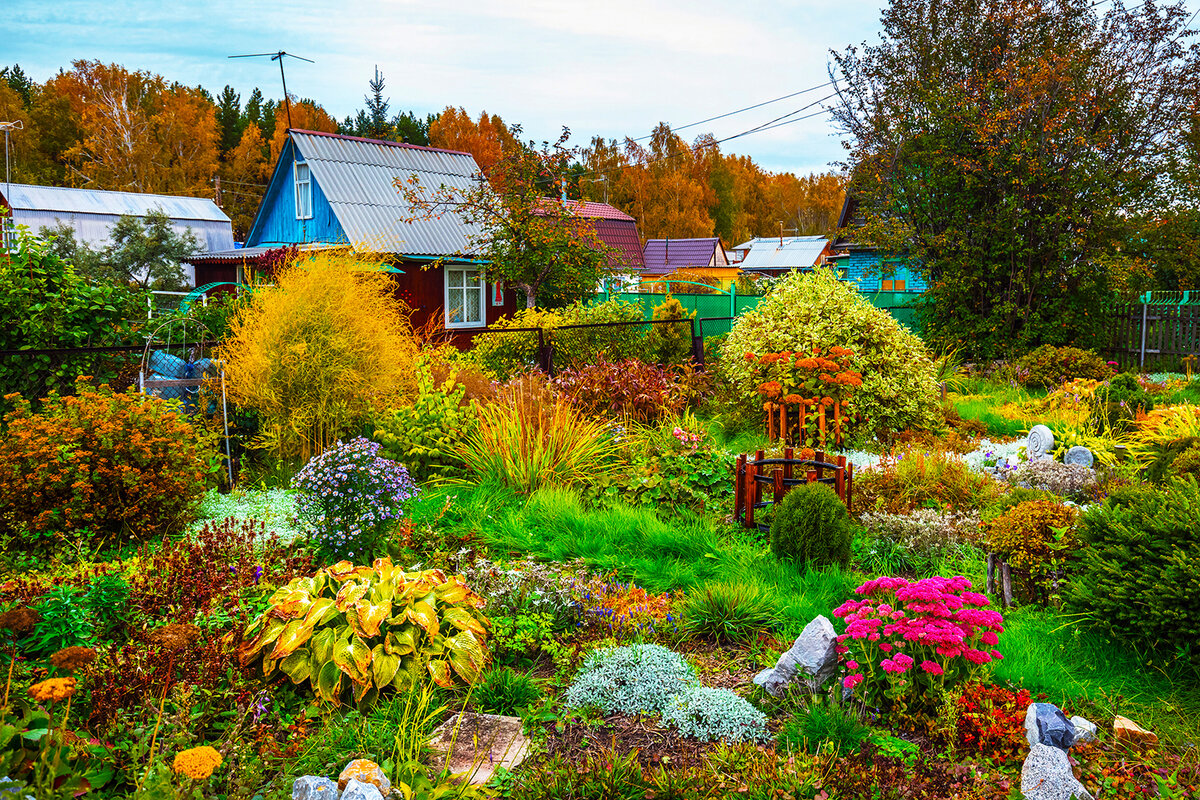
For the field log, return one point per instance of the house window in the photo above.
(303, 191)
(892, 286)
(464, 298)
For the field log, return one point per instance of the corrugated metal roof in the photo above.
(668, 255)
(799, 252)
(583, 208)
(91, 213)
(357, 175)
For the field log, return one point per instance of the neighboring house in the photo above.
(91, 213)
(687, 259)
(332, 190)
(866, 266)
(617, 230)
(773, 256)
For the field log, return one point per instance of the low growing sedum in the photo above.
(357, 630)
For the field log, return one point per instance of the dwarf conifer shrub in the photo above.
(1036, 538)
(670, 343)
(124, 465)
(811, 526)
(1138, 578)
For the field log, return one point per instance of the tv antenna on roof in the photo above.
(278, 56)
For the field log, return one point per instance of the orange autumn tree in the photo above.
(487, 139)
(306, 116)
(137, 133)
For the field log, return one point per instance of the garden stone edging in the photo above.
(1046, 775)
(812, 658)
(1046, 724)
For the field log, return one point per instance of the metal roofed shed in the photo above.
(356, 177)
(776, 254)
(91, 213)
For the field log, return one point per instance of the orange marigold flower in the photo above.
(197, 763)
(52, 690)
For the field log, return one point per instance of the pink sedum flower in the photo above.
(932, 667)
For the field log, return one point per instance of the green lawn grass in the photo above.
(678, 552)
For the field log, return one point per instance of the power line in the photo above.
(748, 108)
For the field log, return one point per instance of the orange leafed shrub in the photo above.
(127, 464)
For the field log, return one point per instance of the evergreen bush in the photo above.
(670, 343)
(1048, 366)
(1138, 579)
(812, 526)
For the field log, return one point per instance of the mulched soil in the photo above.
(622, 735)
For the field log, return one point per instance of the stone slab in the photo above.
(477, 744)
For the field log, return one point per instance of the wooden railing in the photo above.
(757, 479)
(789, 423)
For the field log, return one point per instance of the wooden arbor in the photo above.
(762, 482)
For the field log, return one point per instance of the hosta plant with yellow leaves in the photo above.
(354, 631)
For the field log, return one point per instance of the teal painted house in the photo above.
(867, 267)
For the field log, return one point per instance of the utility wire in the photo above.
(748, 108)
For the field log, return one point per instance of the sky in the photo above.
(613, 68)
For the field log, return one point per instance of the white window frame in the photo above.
(479, 291)
(304, 201)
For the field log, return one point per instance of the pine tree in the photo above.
(230, 122)
(377, 126)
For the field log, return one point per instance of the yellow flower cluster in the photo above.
(197, 763)
(52, 690)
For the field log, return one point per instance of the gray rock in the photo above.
(812, 658)
(314, 787)
(357, 790)
(1045, 724)
(1085, 731)
(1046, 775)
(1079, 455)
(13, 790)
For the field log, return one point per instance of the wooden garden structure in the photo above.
(760, 483)
(789, 422)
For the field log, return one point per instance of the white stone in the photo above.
(314, 787)
(1085, 731)
(1046, 775)
(357, 790)
(811, 658)
(1040, 443)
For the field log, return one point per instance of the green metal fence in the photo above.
(718, 308)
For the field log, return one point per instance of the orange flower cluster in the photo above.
(52, 690)
(823, 377)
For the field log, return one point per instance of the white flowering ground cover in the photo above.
(275, 508)
(988, 452)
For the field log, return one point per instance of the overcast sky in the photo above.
(613, 68)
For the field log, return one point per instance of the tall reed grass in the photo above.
(529, 439)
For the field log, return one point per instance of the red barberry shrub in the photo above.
(630, 388)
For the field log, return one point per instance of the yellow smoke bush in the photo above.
(314, 353)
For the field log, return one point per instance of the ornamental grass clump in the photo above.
(352, 498)
(526, 440)
(906, 643)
